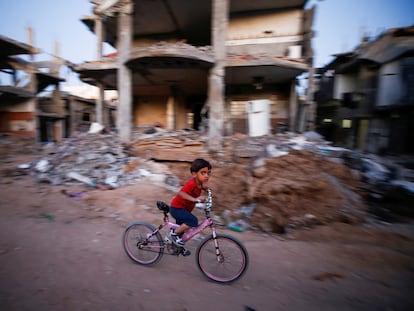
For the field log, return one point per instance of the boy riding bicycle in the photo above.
(185, 200)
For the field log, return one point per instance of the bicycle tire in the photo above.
(233, 263)
(147, 254)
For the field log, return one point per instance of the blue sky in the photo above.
(338, 24)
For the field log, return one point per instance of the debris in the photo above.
(330, 151)
(272, 183)
(273, 151)
(76, 195)
(24, 166)
(313, 136)
(248, 210)
(374, 172)
(112, 181)
(95, 128)
(86, 180)
(406, 185)
(238, 226)
(42, 166)
(100, 158)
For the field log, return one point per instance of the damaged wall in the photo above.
(274, 33)
(19, 118)
(160, 106)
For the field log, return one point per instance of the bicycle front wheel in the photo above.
(223, 259)
(140, 248)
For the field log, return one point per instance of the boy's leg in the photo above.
(184, 218)
(187, 221)
(181, 229)
(175, 237)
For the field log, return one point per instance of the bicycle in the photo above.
(220, 257)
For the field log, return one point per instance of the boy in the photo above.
(190, 194)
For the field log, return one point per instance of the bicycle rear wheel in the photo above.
(231, 263)
(140, 249)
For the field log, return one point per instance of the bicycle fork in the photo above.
(218, 253)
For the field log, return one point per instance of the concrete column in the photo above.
(216, 78)
(310, 122)
(99, 36)
(293, 107)
(99, 43)
(100, 104)
(125, 32)
(73, 117)
(33, 106)
(105, 115)
(170, 113)
(307, 111)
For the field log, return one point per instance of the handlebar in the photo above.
(208, 203)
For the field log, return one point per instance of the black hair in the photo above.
(198, 164)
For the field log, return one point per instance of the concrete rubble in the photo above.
(96, 161)
(274, 184)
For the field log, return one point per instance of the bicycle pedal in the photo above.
(186, 252)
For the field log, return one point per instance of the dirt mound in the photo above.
(295, 190)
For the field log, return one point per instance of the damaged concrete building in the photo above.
(21, 81)
(221, 65)
(366, 96)
(32, 103)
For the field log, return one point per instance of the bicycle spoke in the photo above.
(226, 267)
(139, 247)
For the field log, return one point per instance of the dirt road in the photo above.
(64, 253)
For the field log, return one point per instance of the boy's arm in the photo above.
(187, 197)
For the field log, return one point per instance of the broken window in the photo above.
(346, 123)
(86, 116)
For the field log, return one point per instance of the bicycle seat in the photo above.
(163, 206)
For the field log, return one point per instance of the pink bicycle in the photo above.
(220, 257)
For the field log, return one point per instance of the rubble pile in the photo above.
(285, 181)
(291, 180)
(273, 183)
(87, 158)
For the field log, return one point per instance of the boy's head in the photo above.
(198, 164)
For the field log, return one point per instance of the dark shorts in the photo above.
(182, 216)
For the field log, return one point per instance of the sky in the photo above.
(338, 26)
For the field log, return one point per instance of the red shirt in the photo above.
(192, 189)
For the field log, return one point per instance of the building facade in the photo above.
(32, 103)
(219, 65)
(22, 79)
(366, 97)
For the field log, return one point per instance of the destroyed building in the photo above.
(22, 80)
(224, 66)
(32, 103)
(366, 96)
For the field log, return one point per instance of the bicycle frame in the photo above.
(192, 232)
